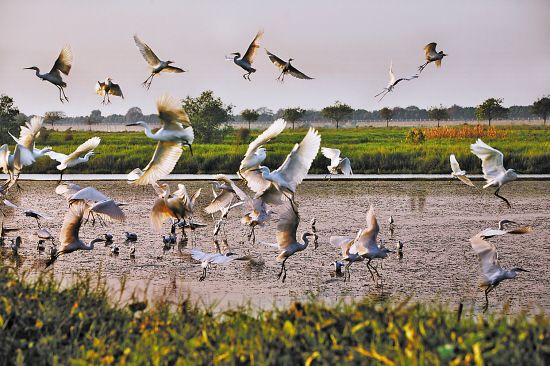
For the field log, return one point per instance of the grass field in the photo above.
(44, 324)
(371, 150)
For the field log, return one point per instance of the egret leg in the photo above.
(487, 290)
(60, 97)
(502, 198)
(283, 269)
(368, 267)
(423, 66)
(63, 91)
(203, 276)
(37, 222)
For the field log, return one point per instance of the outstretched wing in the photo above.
(108, 208)
(171, 113)
(297, 73)
(146, 52)
(298, 162)
(342, 242)
(173, 70)
(88, 194)
(276, 60)
(85, 148)
(366, 239)
(392, 75)
(454, 164)
(488, 256)
(100, 88)
(332, 154)
(345, 165)
(162, 163)
(429, 48)
(287, 227)
(491, 159)
(271, 132)
(251, 51)
(221, 201)
(63, 63)
(159, 213)
(71, 224)
(116, 90)
(29, 132)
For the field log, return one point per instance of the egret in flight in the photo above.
(156, 65)
(170, 136)
(432, 56)
(28, 135)
(28, 212)
(286, 68)
(177, 205)
(75, 158)
(286, 237)
(491, 271)
(490, 232)
(12, 164)
(108, 87)
(459, 173)
(393, 82)
(62, 65)
(493, 167)
(246, 61)
(337, 164)
(207, 259)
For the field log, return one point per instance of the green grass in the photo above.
(42, 323)
(371, 150)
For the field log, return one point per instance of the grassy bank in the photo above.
(40, 324)
(371, 150)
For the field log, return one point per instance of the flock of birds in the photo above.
(64, 62)
(268, 187)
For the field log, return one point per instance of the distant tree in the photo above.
(95, 115)
(386, 114)
(7, 110)
(53, 116)
(250, 115)
(134, 114)
(438, 113)
(208, 115)
(541, 108)
(490, 109)
(337, 112)
(293, 115)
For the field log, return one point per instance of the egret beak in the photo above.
(131, 124)
(521, 270)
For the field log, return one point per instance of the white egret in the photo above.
(491, 271)
(28, 212)
(492, 164)
(432, 56)
(393, 82)
(178, 205)
(63, 65)
(207, 259)
(490, 232)
(256, 152)
(286, 68)
(170, 137)
(337, 164)
(75, 158)
(28, 134)
(286, 237)
(107, 88)
(13, 164)
(459, 173)
(271, 186)
(69, 235)
(157, 66)
(246, 61)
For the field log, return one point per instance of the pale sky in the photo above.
(497, 48)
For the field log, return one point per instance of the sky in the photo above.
(496, 48)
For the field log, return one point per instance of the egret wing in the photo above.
(63, 63)
(271, 132)
(100, 88)
(332, 154)
(491, 159)
(429, 48)
(455, 167)
(146, 52)
(159, 213)
(488, 256)
(173, 70)
(251, 51)
(366, 239)
(22, 157)
(171, 113)
(67, 189)
(59, 157)
(297, 73)
(89, 194)
(85, 148)
(164, 160)
(4, 156)
(276, 60)
(297, 163)
(221, 201)
(116, 90)
(345, 166)
(464, 179)
(29, 132)
(255, 180)
(108, 208)
(392, 75)
(71, 224)
(287, 227)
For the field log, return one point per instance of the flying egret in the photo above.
(207, 259)
(459, 173)
(28, 134)
(493, 167)
(286, 237)
(74, 158)
(28, 212)
(393, 82)
(12, 164)
(256, 152)
(178, 205)
(108, 87)
(97, 204)
(224, 198)
(431, 56)
(157, 66)
(69, 235)
(63, 65)
(246, 61)
(286, 68)
(489, 232)
(257, 213)
(270, 186)
(491, 270)
(170, 137)
(337, 164)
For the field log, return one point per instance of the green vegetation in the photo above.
(438, 114)
(490, 109)
(337, 112)
(371, 150)
(250, 115)
(386, 114)
(209, 115)
(42, 323)
(541, 108)
(293, 114)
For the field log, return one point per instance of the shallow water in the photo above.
(433, 219)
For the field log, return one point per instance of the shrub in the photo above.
(415, 136)
(242, 135)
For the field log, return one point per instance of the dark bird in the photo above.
(286, 68)
(108, 87)
(432, 56)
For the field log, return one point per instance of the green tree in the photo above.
(438, 114)
(250, 115)
(208, 115)
(53, 116)
(293, 115)
(490, 109)
(386, 114)
(7, 111)
(541, 108)
(337, 112)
